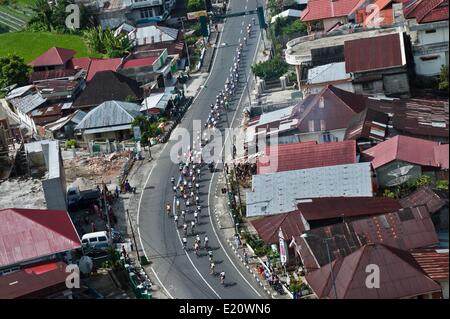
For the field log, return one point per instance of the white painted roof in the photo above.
(328, 73)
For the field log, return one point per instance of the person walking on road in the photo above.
(245, 256)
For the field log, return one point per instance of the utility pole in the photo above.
(105, 189)
(134, 237)
(247, 86)
(185, 43)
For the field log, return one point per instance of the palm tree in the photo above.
(42, 14)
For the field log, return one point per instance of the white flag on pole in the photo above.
(282, 242)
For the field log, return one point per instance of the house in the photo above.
(54, 58)
(436, 202)
(25, 99)
(321, 117)
(404, 229)
(368, 128)
(319, 212)
(379, 65)
(324, 117)
(290, 157)
(435, 264)
(64, 127)
(325, 15)
(397, 269)
(319, 49)
(111, 121)
(46, 281)
(398, 160)
(44, 158)
(279, 193)
(148, 34)
(95, 66)
(31, 237)
(333, 74)
(150, 66)
(60, 90)
(57, 74)
(291, 14)
(150, 11)
(47, 114)
(107, 86)
(428, 27)
(159, 102)
(418, 117)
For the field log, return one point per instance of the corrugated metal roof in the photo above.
(336, 207)
(27, 234)
(326, 9)
(107, 129)
(53, 56)
(403, 276)
(328, 73)
(433, 262)
(289, 157)
(278, 192)
(405, 148)
(28, 102)
(31, 280)
(374, 53)
(110, 113)
(433, 199)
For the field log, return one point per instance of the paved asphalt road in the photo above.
(184, 275)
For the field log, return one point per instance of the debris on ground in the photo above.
(22, 193)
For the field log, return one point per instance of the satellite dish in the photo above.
(401, 171)
(398, 181)
(85, 264)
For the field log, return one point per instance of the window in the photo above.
(367, 86)
(322, 103)
(429, 58)
(98, 135)
(430, 31)
(146, 13)
(328, 138)
(311, 125)
(93, 240)
(322, 125)
(102, 238)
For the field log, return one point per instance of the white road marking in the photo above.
(190, 260)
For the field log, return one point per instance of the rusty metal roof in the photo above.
(400, 275)
(433, 261)
(433, 199)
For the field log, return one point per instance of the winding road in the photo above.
(181, 274)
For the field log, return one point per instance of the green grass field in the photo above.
(30, 45)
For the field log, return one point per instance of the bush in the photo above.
(144, 261)
(271, 69)
(443, 78)
(195, 5)
(70, 143)
(442, 185)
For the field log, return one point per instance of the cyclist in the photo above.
(196, 248)
(254, 21)
(196, 217)
(212, 267)
(210, 256)
(222, 277)
(193, 227)
(184, 243)
(168, 209)
(206, 242)
(183, 214)
(176, 219)
(185, 227)
(172, 180)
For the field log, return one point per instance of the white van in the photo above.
(97, 240)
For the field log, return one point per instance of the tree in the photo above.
(271, 69)
(196, 5)
(442, 185)
(13, 70)
(104, 41)
(443, 78)
(42, 15)
(423, 180)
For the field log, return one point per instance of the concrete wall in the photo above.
(316, 136)
(427, 67)
(441, 35)
(348, 86)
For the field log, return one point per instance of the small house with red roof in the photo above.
(53, 59)
(325, 15)
(404, 158)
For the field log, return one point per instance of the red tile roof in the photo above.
(29, 281)
(98, 65)
(325, 9)
(408, 149)
(53, 56)
(288, 157)
(403, 276)
(433, 262)
(267, 227)
(136, 63)
(375, 53)
(27, 234)
(425, 11)
(335, 207)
